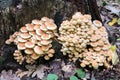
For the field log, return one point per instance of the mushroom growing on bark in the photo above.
(34, 39)
(85, 40)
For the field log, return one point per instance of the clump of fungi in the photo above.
(85, 40)
(35, 40)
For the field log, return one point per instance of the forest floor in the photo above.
(110, 12)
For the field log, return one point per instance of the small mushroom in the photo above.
(8, 41)
(46, 47)
(51, 51)
(45, 42)
(97, 23)
(20, 39)
(28, 51)
(34, 56)
(43, 27)
(32, 33)
(95, 37)
(36, 27)
(35, 21)
(45, 19)
(29, 27)
(25, 35)
(38, 50)
(29, 44)
(95, 64)
(23, 29)
(46, 57)
(50, 55)
(83, 65)
(39, 32)
(21, 46)
(50, 26)
(45, 36)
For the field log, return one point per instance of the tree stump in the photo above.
(16, 13)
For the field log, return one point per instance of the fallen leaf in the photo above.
(115, 58)
(113, 48)
(118, 39)
(8, 75)
(52, 77)
(39, 72)
(114, 20)
(118, 21)
(73, 78)
(80, 73)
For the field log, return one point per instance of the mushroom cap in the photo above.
(88, 16)
(106, 46)
(36, 27)
(51, 20)
(23, 29)
(46, 47)
(52, 51)
(100, 42)
(95, 37)
(83, 65)
(97, 23)
(45, 36)
(35, 21)
(7, 42)
(34, 56)
(38, 50)
(38, 37)
(32, 33)
(39, 43)
(94, 44)
(45, 19)
(50, 55)
(77, 15)
(50, 26)
(20, 39)
(29, 27)
(21, 46)
(39, 32)
(46, 57)
(16, 33)
(102, 29)
(43, 27)
(34, 41)
(95, 64)
(97, 48)
(25, 35)
(34, 37)
(45, 42)
(29, 44)
(90, 32)
(28, 51)
(16, 53)
(85, 19)
(85, 62)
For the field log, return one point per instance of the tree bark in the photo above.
(23, 11)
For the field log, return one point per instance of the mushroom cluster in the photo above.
(34, 40)
(85, 40)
